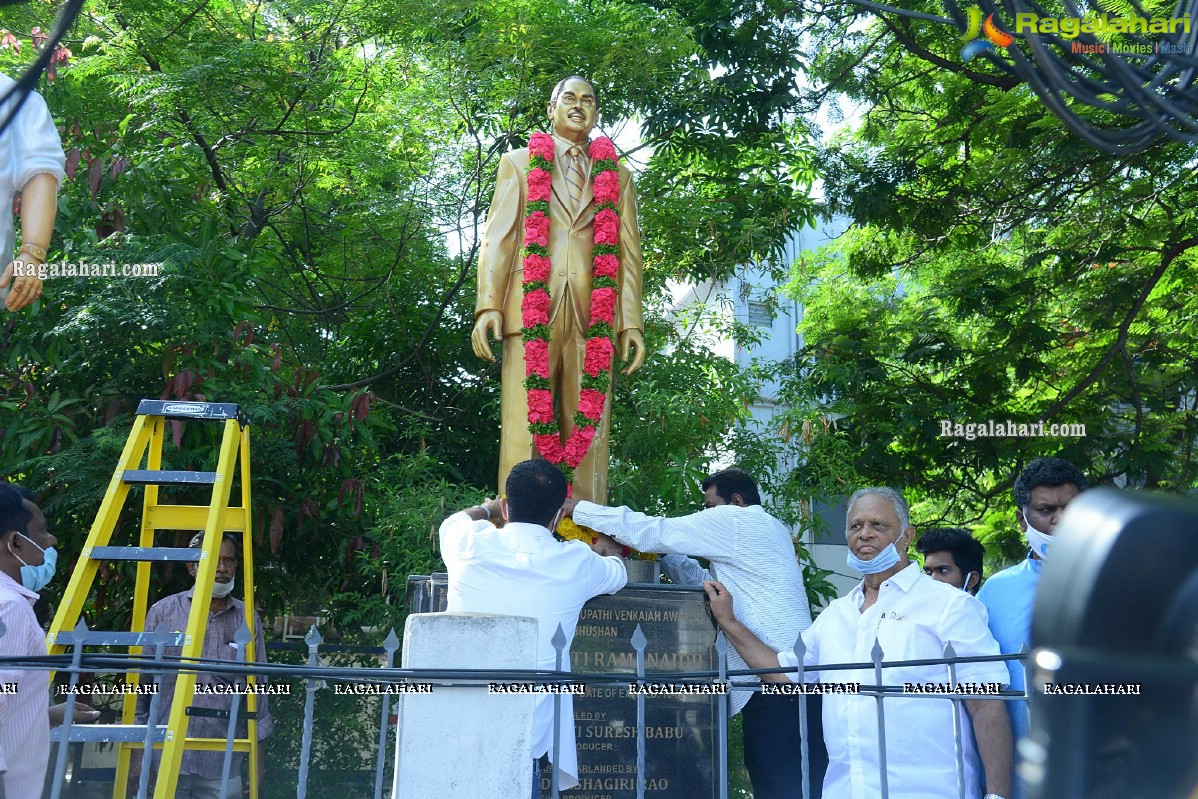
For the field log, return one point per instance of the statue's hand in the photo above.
(24, 289)
(489, 325)
(632, 343)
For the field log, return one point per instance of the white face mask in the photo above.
(1038, 541)
(220, 590)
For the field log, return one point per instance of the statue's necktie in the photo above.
(574, 178)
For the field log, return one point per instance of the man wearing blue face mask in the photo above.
(912, 617)
(1042, 491)
(27, 561)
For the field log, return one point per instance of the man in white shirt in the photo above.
(520, 569)
(753, 553)
(912, 617)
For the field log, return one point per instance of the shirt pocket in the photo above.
(903, 639)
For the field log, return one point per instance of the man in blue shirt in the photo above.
(1042, 491)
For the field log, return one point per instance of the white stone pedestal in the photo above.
(465, 743)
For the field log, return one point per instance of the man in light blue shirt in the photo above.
(1042, 491)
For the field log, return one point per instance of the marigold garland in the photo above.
(570, 530)
(600, 348)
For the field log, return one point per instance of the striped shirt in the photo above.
(748, 550)
(172, 612)
(24, 712)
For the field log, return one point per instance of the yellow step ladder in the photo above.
(217, 517)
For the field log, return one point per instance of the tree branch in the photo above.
(1167, 258)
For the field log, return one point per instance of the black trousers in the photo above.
(772, 756)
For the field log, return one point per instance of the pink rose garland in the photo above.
(600, 349)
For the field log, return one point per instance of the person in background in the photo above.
(1042, 491)
(200, 771)
(951, 555)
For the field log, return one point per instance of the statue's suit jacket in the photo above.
(500, 271)
(500, 277)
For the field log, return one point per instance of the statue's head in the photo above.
(573, 108)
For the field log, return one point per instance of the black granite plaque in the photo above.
(680, 730)
(427, 593)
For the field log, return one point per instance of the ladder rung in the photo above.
(113, 638)
(109, 733)
(163, 477)
(191, 517)
(214, 713)
(183, 554)
(216, 744)
(202, 744)
(181, 409)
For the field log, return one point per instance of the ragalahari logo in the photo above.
(994, 36)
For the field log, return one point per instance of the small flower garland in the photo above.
(570, 530)
(600, 349)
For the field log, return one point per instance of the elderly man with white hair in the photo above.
(912, 616)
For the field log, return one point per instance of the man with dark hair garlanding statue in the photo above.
(520, 569)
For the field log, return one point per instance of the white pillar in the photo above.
(464, 743)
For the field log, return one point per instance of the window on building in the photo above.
(759, 314)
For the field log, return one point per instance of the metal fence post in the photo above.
(390, 646)
(60, 765)
(876, 656)
(1025, 662)
(958, 742)
(721, 656)
(559, 646)
(159, 639)
(800, 650)
(313, 639)
(241, 638)
(638, 645)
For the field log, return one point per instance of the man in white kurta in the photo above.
(912, 617)
(520, 569)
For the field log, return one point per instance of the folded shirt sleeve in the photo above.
(963, 624)
(683, 570)
(36, 147)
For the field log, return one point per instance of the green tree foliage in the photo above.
(310, 179)
(997, 269)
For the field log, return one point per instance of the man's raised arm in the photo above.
(705, 534)
(755, 653)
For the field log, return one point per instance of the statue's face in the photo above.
(575, 111)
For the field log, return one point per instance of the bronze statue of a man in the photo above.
(572, 209)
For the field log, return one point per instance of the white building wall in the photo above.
(743, 298)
